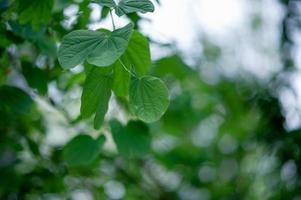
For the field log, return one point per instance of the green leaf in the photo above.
(96, 95)
(111, 47)
(35, 11)
(102, 48)
(138, 54)
(130, 6)
(82, 150)
(121, 80)
(14, 100)
(107, 3)
(77, 46)
(148, 98)
(132, 140)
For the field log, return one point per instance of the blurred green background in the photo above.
(232, 130)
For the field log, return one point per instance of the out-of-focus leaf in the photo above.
(82, 150)
(148, 98)
(172, 65)
(36, 12)
(14, 100)
(96, 96)
(132, 140)
(107, 3)
(104, 12)
(46, 45)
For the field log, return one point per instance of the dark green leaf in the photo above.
(36, 12)
(35, 77)
(14, 100)
(132, 140)
(82, 150)
(148, 98)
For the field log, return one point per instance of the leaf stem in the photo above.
(126, 69)
(112, 18)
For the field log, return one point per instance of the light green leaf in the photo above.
(132, 140)
(102, 48)
(148, 98)
(82, 150)
(121, 80)
(107, 3)
(35, 11)
(138, 54)
(96, 95)
(77, 46)
(111, 47)
(130, 6)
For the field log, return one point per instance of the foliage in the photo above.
(159, 129)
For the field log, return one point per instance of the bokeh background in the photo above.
(232, 130)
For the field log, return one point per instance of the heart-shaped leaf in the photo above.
(102, 48)
(111, 47)
(148, 98)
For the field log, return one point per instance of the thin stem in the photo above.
(112, 18)
(126, 69)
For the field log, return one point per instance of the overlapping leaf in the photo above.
(136, 57)
(96, 95)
